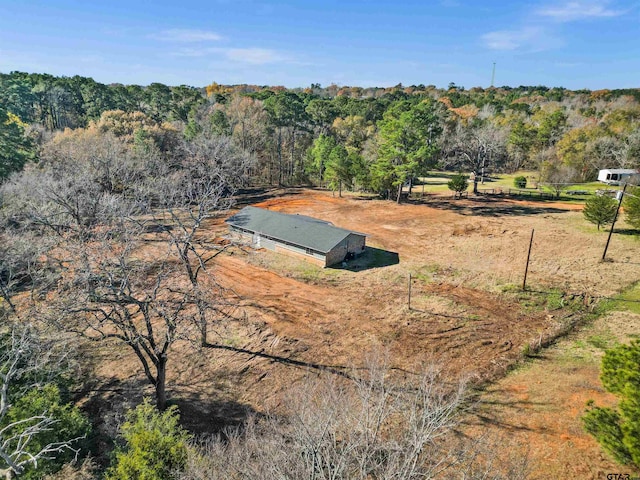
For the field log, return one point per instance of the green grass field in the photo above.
(436, 183)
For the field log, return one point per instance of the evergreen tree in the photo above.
(15, 147)
(407, 136)
(458, 184)
(600, 210)
(618, 430)
(156, 445)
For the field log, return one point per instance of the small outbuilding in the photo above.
(616, 176)
(314, 240)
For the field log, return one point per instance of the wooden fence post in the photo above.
(526, 269)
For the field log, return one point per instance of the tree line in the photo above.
(373, 139)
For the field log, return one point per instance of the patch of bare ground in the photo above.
(541, 403)
(463, 254)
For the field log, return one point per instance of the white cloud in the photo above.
(193, 52)
(255, 56)
(579, 10)
(531, 39)
(186, 36)
(250, 56)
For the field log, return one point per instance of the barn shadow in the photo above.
(371, 258)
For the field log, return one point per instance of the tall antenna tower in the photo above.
(493, 74)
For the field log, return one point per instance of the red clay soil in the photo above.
(459, 317)
(462, 255)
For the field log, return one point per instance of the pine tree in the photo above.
(618, 430)
(600, 210)
(458, 184)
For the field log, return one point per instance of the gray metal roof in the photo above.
(299, 230)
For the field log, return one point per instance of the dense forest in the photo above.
(92, 174)
(372, 139)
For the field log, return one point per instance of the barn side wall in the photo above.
(356, 243)
(259, 241)
(316, 259)
(353, 244)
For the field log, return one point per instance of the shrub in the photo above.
(69, 423)
(156, 445)
(520, 182)
(458, 184)
(600, 210)
(40, 430)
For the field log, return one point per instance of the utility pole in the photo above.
(615, 217)
(493, 74)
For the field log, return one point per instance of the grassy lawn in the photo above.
(436, 183)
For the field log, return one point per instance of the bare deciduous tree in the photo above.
(558, 177)
(110, 293)
(366, 427)
(22, 265)
(111, 288)
(475, 149)
(21, 356)
(212, 170)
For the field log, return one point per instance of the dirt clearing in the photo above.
(466, 258)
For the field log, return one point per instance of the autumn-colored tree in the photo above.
(139, 129)
(575, 150)
(15, 147)
(550, 125)
(353, 131)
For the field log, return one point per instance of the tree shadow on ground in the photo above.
(106, 401)
(627, 231)
(206, 415)
(490, 208)
(250, 196)
(626, 261)
(439, 175)
(371, 258)
(485, 411)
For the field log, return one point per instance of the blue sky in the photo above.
(575, 44)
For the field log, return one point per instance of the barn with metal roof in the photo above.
(315, 240)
